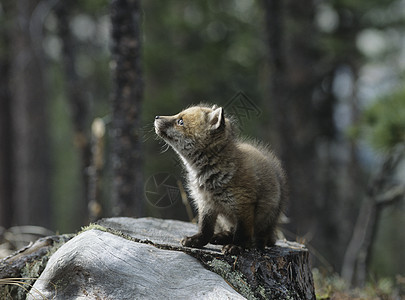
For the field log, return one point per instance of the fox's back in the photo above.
(260, 171)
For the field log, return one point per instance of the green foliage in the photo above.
(93, 6)
(199, 51)
(331, 286)
(383, 123)
(362, 6)
(390, 239)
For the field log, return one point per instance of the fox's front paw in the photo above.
(194, 241)
(232, 249)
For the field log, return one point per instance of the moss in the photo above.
(17, 288)
(262, 291)
(33, 270)
(109, 230)
(5, 290)
(93, 226)
(234, 278)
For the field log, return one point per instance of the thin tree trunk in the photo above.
(127, 186)
(6, 169)
(292, 86)
(79, 105)
(31, 162)
(359, 250)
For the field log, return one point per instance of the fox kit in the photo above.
(239, 188)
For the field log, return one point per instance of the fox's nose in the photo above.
(157, 117)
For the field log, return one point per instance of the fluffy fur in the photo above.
(239, 188)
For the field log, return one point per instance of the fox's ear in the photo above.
(216, 118)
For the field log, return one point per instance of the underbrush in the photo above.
(333, 287)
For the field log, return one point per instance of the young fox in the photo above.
(239, 188)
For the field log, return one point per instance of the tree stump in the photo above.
(125, 258)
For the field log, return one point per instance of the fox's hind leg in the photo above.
(222, 238)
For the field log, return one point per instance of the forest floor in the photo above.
(333, 287)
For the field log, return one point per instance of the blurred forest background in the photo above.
(321, 81)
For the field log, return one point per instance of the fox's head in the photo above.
(193, 129)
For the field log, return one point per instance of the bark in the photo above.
(297, 124)
(291, 107)
(6, 169)
(79, 104)
(31, 159)
(126, 100)
(302, 107)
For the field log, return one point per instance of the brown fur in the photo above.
(239, 188)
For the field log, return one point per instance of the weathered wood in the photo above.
(12, 265)
(143, 258)
(101, 265)
(29, 261)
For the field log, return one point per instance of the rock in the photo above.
(124, 258)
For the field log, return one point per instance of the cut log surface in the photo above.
(124, 258)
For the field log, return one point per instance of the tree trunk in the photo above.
(295, 122)
(79, 105)
(6, 170)
(127, 96)
(31, 160)
(302, 106)
(359, 250)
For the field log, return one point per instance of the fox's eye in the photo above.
(180, 122)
